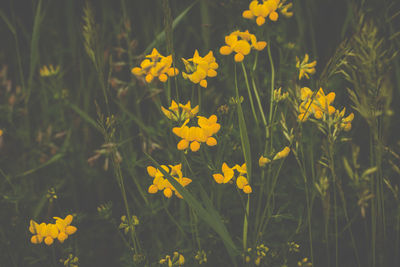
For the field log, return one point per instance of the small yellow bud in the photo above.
(263, 161)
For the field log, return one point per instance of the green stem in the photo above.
(249, 92)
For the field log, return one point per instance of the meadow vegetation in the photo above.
(200, 133)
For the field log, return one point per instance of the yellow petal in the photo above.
(247, 14)
(151, 171)
(183, 144)
(260, 20)
(239, 57)
(241, 181)
(152, 189)
(167, 192)
(273, 16)
(194, 146)
(242, 47)
(263, 161)
(218, 178)
(137, 71)
(48, 240)
(247, 189)
(225, 50)
(203, 83)
(211, 73)
(211, 141)
(61, 237)
(69, 230)
(260, 45)
(149, 78)
(36, 239)
(172, 72)
(163, 78)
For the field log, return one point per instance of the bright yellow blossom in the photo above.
(155, 65)
(228, 174)
(241, 43)
(48, 232)
(268, 8)
(318, 105)
(199, 68)
(187, 112)
(305, 68)
(162, 184)
(282, 154)
(65, 228)
(195, 135)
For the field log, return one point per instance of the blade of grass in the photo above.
(161, 36)
(84, 116)
(208, 214)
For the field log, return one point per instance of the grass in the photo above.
(80, 140)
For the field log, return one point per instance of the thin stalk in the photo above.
(249, 93)
(118, 174)
(246, 152)
(271, 102)
(309, 212)
(264, 121)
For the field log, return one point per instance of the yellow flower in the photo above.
(282, 154)
(241, 169)
(278, 96)
(48, 232)
(195, 135)
(176, 260)
(199, 68)
(305, 68)
(162, 184)
(243, 184)
(344, 122)
(268, 8)
(173, 113)
(155, 65)
(318, 105)
(241, 43)
(263, 161)
(228, 174)
(65, 228)
(46, 71)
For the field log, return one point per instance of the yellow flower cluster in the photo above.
(162, 184)
(48, 232)
(228, 174)
(46, 71)
(173, 113)
(155, 65)
(195, 135)
(320, 105)
(176, 260)
(304, 67)
(199, 68)
(268, 8)
(241, 43)
(344, 122)
(280, 155)
(71, 261)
